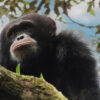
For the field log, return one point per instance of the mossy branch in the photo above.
(21, 87)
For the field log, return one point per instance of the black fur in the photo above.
(64, 60)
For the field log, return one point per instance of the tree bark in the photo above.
(22, 87)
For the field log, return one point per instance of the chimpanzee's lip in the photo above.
(23, 45)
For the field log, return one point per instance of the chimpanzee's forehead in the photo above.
(39, 22)
(28, 18)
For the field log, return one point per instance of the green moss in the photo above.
(12, 86)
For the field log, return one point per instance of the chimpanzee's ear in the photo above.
(53, 27)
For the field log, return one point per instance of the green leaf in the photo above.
(98, 47)
(18, 69)
(1, 13)
(26, 2)
(81, 0)
(60, 19)
(41, 76)
(75, 1)
(92, 12)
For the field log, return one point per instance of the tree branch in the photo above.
(21, 87)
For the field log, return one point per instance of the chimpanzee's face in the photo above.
(27, 34)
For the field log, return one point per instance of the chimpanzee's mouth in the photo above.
(23, 50)
(22, 46)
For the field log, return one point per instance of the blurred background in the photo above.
(81, 16)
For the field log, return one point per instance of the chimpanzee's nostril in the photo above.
(20, 37)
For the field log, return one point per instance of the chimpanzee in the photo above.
(63, 59)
